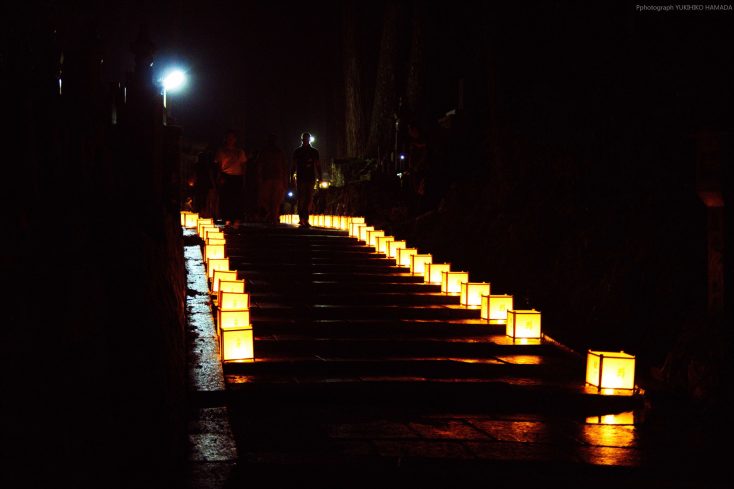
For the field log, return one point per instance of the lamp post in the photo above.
(172, 81)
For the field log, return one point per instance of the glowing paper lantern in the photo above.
(610, 370)
(236, 344)
(233, 301)
(201, 222)
(232, 286)
(208, 229)
(418, 263)
(495, 307)
(222, 275)
(216, 264)
(232, 319)
(191, 219)
(214, 234)
(355, 229)
(382, 242)
(472, 292)
(403, 256)
(451, 281)
(183, 217)
(212, 252)
(432, 273)
(523, 324)
(363, 232)
(216, 241)
(371, 236)
(393, 247)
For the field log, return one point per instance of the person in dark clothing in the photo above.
(230, 160)
(272, 178)
(205, 186)
(308, 172)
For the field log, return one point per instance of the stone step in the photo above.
(346, 311)
(332, 286)
(379, 328)
(396, 346)
(287, 277)
(354, 297)
(246, 265)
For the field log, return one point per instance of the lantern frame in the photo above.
(433, 272)
(403, 256)
(419, 261)
(513, 321)
(226, 274)
(228, 352)
(600, 366)
(382, 242)
(496, 316)
(470, 295)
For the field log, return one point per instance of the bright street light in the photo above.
(172, 81)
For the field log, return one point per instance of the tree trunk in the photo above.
(353, 107)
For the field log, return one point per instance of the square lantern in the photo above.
(214, 234)
(232, 286)
(471, 293)
(190, 220)
(451, 281)
(363, 232)
(201, 222)
(236, 345)
(610, 370)
(344, 223)
(216, 264)
(216, 241)
(433, 272)
(495, 307)
(523, 324)
(212, 252)
(418, 263)
(393, 247)
(382, 242)
(403, 256)
(207, 230)
(233, 301)
(232, 319)
(221, 276)
(355, 229)
(371, 236)
(183, 217)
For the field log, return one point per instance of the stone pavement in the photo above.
(365, 376)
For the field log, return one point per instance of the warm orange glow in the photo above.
(190, 220)
(183, 217)
(216, 264)
(232, 319)
(625, 418)
(382, 243)
(363, 232)
(202, 222)
(216, 241)
(328, 221)
(237, 344)
(471, 293)
(495, 307)
(232, 286)
(403, 256)
(233, 301)
(523, 323)
(451, 281)
(418, 263)
(212, 252)
(432, 272)
(371, 236)
(355, 229)
(393, 247)
(213, 234)
(610, 370)
(222, 275)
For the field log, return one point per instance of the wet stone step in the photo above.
(431, 395)
(324, 287)
(246, 265)
(305, 273)
(364, 328)
(360, 298)
(393, 347)
(268, 261)
(344, 311)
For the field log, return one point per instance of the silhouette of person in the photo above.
(307, 171)
(205, 187)
(272, 177)
(230, 160)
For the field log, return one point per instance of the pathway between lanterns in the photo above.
(365, 375)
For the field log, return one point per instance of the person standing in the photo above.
(272, 177)
(308, 172)
(231, 160)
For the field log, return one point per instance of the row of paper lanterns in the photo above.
(232, 302)
(605, 370)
